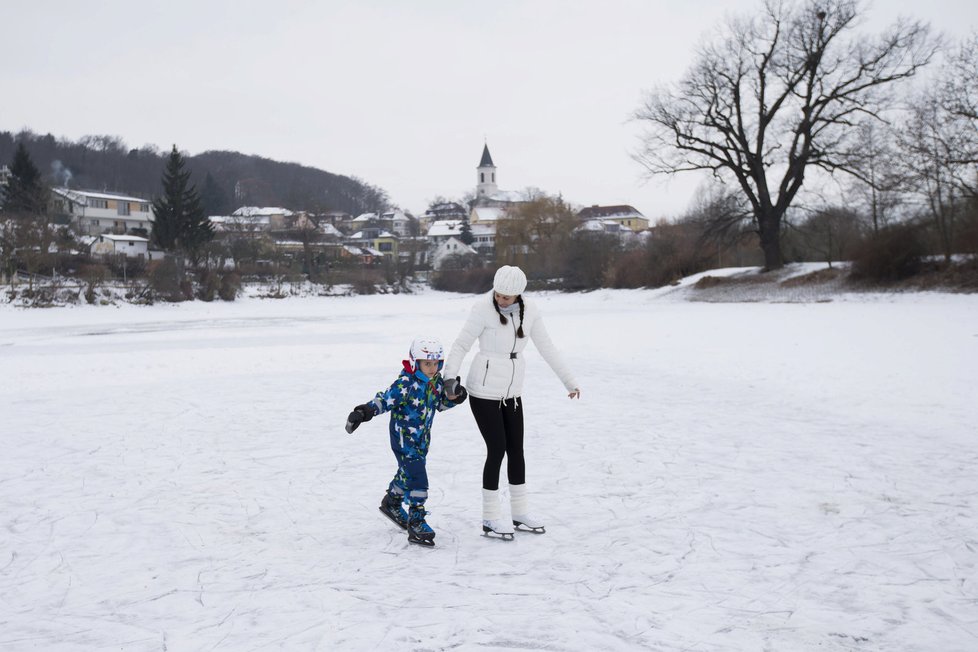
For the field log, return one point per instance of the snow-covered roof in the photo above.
(603, 226)
(80, 196)
(511, 196)
(456, 245)
(443, 228)
(329, 229)
(123, 238)
(489, 213)
(252, 211)
(239, 219)
(383, 234)
(365, 217)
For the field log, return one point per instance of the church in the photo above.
(490, 202)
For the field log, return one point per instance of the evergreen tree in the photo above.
(180, 224)
(466, 232)
(26, 194)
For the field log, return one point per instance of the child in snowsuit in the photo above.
(412, 400)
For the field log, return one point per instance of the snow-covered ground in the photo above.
(759, 476)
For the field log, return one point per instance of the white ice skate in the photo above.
(522, 519)
(493, 524)
(527, 523)
(497, 529)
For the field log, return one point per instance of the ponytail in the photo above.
(519, 331)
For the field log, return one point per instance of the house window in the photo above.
(494, 177)
(98, 203)
(482, 177)
(123, 207)
(144, 208)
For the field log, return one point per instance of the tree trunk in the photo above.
(769, 229)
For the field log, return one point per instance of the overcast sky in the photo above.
(400, 94)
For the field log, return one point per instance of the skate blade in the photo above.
(424, 543)
(519, 527)
(492, 534)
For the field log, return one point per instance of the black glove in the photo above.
(460, 395)
(453, 387)
(360, 414)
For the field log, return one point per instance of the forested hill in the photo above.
(226, 180)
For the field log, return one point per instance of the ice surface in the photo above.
(762, 476)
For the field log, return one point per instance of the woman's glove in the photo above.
(360, 414)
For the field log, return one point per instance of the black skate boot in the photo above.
(419, 532)
(390, 506)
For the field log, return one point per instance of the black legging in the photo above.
(501, 425)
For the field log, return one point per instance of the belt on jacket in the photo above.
(502, 356)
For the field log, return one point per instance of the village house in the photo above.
(448, 250)
(131, 246)
(624, 215)
(483, 235)
(442, 211)
(94, 213)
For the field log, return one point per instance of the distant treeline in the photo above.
(226, 180)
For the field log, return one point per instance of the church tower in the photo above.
(486, 176)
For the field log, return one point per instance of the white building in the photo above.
(107, 244)
(607, 228)
(448, 249)
(94, 213)
(623, 214)
(270, 217)
(397, 223)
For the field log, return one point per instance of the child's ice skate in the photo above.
(419, 531)
(390, 506)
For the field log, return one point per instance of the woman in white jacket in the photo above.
(503, 322)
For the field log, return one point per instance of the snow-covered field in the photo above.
(762, 476)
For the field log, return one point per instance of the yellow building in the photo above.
(623, 214)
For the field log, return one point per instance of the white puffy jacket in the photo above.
(498, 367)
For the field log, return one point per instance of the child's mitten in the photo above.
(360, 414)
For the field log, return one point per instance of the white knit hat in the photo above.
(509, 280)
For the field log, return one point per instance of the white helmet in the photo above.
(509, 281)
(426, 348)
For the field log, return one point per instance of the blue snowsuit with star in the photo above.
(412, 401)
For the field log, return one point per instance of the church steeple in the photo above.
(486, 161)
(486, 175)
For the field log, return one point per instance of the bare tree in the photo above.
(958, 93)
(535, 234)
(874, 163)
(933, 143)
(830, 234)
(775, 95)
(723, 220)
